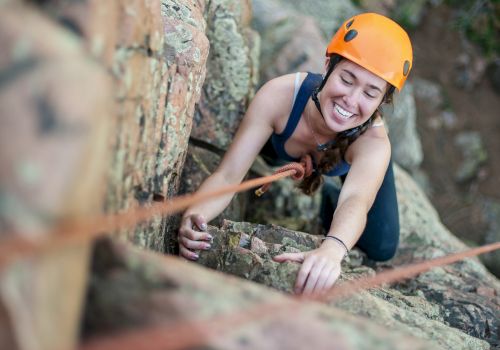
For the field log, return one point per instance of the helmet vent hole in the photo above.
(406, 68)
(348, 25)
(350, 35)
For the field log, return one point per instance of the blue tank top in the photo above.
(278, 140)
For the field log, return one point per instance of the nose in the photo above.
(350, 97)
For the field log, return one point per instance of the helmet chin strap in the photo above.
(316, 91)
(315, 99)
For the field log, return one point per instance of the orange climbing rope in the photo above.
(180, 335)
(304, 168)
(86, 229)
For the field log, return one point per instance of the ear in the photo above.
(327, 62)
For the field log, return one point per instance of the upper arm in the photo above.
(370, 155)
(255, 129)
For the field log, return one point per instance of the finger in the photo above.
(199, 221)
(186, 253)
(325, 273)
(194, 235)
(303, 274)
(331, 279)
(296, 257)
(195, 245)
(314, 276)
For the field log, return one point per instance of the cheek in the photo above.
(369, 107)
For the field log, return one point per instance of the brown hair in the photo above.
(335, 152)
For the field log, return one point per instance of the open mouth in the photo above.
(342, 112)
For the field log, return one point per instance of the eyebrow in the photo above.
(371, 86)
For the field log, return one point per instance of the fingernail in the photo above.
(208, 246)
(203, 226)
(194, 256)
(210, 237)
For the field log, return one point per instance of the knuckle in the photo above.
(189, 243)
(189, 234)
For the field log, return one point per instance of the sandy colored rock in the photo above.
(442, 305)
(163, 294)
(55, 110)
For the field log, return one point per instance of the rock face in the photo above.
(232, 72)
(402, 124)
(286, 47)
(474, 155)
(453, 306)
(328, 14)
(160, 66)
(284, 205)
(55, 112)
(171, 300)
(83, 80)
(200, 163)
(492, 216)
(156, 52)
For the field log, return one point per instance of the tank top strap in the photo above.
(308, 85)
(296, 86)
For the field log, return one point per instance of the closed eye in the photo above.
(346, 81)
(370, 95)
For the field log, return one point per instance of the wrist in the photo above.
(338, 246)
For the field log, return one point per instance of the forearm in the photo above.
(211, 207)
(349, 221)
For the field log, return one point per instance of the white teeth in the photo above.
(343, 112)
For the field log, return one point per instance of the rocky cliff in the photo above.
(101, 104)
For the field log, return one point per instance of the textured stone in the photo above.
(411, 314)
(473, 153)
(159, 65)
(423, 236)
(230, 252)
(328, 14)
(286, 47)
(491, 212)
(231, 72)
(470, 68)
(451, 306)
(156, 52)
(55, 111)
(401, 122)
(162, 294)
(285, 205)
(200, 163)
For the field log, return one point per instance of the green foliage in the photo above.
(408, 13)
(480, 20)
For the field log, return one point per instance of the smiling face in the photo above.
(350, 96)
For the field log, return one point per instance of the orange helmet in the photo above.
(377, 44)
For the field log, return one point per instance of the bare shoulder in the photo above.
(279, 90)
(374, 144)
(274, 99)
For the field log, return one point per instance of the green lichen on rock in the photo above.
(231, 73)
(179, 40)
(181, 11)
(440, 305)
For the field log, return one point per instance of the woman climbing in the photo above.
(335, 119)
